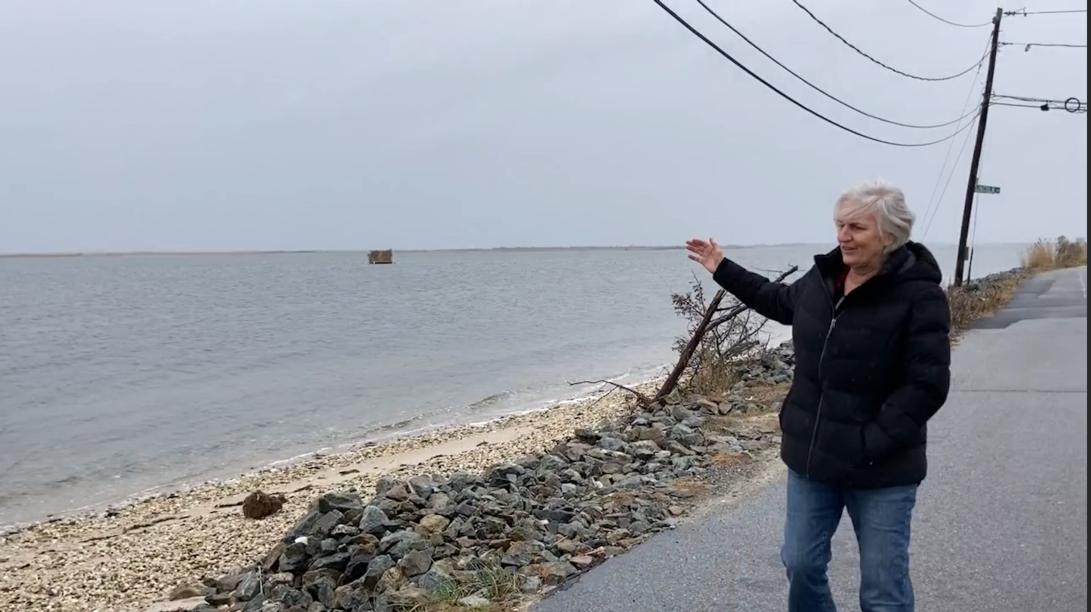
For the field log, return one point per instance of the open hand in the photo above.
(708, 254)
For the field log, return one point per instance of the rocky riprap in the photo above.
(469, 539)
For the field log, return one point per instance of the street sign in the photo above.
(987, 189)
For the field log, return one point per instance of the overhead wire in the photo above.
(948, 21)
(792, 100)
(950, 178)
(932, 201)
(829, 29)
(1081, 110)
(1047, 45)
(1026, 13)
(746, 39)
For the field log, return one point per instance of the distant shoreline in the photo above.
(544, 249)
(345, 252)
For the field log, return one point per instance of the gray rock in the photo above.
(439, 501)
(342, 502)
(399, 493)
(352, 598)
(416, 562)
(373, 521)
(553, 574)
(422, 486)
(327, 522)
(521, 554)
(531, 585)
(409, 598)
(249, 587)
(588, 436)
(474, 601)
(398, 544)
(322, 585)
(694, 422)
(305, 525)
(375, 570)
(434, 579)
(343, 531)
(291, 597)
(614, 444)
(686, 436)
(645, 449)
(337, 561)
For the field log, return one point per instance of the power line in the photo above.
(888, 67)
(950, 179)
(829, 95)
(947, 21)
(1048, 45)
(932, 201)
(1080, 110)
(797, 103)
(1026, 13)
(1041, 100)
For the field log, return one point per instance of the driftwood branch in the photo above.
(691, 346)
(643, 399)
(708, 322)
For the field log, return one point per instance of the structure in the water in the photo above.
(380, 257)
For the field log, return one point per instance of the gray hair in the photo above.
(886, 202)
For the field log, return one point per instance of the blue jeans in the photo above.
(881, 518)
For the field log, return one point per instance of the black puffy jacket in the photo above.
(870, 371)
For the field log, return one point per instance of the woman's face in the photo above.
(863, 244)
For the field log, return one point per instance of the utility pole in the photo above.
(975, 166)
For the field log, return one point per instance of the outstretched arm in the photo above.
(776, 301)
(771, 300)
(926, 383)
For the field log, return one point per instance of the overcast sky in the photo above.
(355, 124)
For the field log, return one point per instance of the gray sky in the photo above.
(273, 124)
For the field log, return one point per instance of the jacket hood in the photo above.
(912, 262)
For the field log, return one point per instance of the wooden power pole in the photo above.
(975, 166)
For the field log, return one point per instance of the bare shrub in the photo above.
(727, 342)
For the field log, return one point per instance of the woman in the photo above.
(871, 328)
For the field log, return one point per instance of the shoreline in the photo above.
(380, 437)
(147, 546)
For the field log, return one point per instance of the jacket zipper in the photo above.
(822, 393)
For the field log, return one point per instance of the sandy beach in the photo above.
(125, 558)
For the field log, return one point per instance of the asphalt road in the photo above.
(1001, 524)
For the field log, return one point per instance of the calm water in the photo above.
(119, 374)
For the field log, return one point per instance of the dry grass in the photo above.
(974, 302)
(981, 299)
(715, 378)
(492, 582)
(1057, 254)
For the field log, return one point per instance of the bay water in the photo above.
(124, 374)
